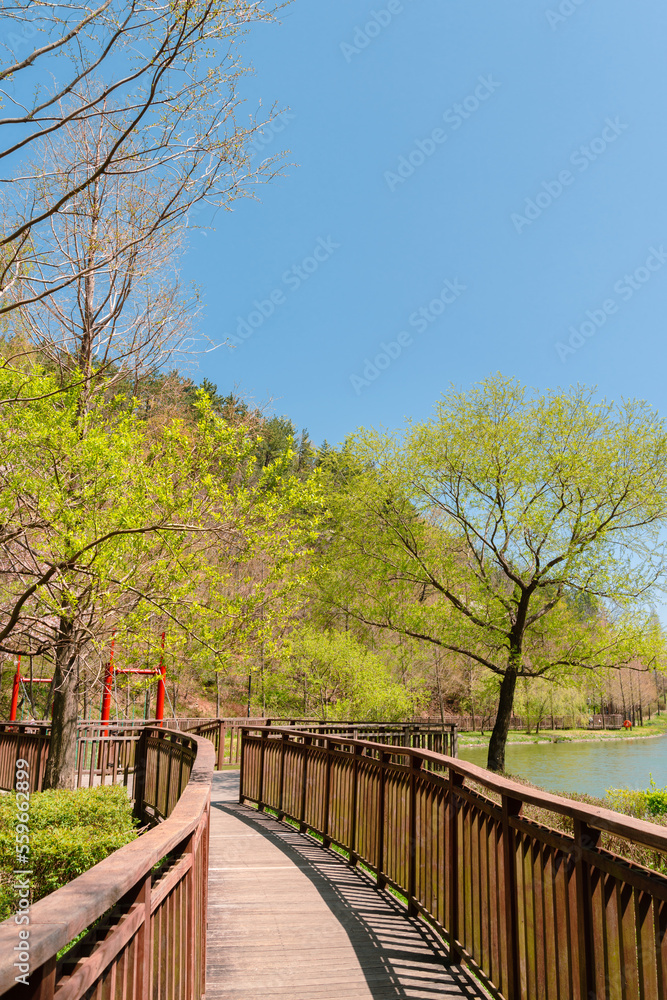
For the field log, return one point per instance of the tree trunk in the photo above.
(496, 758)
(61, 763)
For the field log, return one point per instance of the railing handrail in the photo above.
(606, 820)
(59, 917)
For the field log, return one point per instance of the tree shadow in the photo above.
(400, 956)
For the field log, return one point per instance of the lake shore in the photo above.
(657, 726)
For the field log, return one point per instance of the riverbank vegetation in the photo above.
(655, 726)
(650, 804)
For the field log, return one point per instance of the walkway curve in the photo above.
(288, 919)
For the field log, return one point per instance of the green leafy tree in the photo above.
(108, 528)
(491, 528)
(332, 675)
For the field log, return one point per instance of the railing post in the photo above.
(585, 837)
(221, 745)
(145, 942)
(455, 781)
(303, 826)
(42, 983)
(511, 807)
(326, 840)
(204, 847)
(191, 941)
(242, 734)
(384, 759)
(354, 857)
(139, 780)
(415, 766)
(281, 790)
(262, 748)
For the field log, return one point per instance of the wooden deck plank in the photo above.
(288, 920)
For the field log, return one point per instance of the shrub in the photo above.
(70, 831)
(652, 802)
(625, 800)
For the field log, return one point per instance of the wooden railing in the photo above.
(225, 734)
(105, 753)
(539, 914)
(436, 736)
(20, 741)
(143, 907)
(104, 758)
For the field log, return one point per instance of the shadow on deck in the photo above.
(289, 919)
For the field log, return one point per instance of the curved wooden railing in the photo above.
(225, 734)
(105, 753)
(103, 758)
(539, 914)
(144, 906)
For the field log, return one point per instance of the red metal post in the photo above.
(15, 692)
(108, 677)
(159, 708)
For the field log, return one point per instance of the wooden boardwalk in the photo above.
(288, 919)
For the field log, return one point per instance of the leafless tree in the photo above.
(159, 80)
(123, 314)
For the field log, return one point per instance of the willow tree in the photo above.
(520, 530)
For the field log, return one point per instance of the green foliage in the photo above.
(656, 802)
(641, 804)
(138, 529)
(505, 530)
(331, 675)
(536, 699)
(70, 831)
(627, 800)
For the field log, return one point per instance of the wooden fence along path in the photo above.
(144, 907)
(537, 914)
(226, 734)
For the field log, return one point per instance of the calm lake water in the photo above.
(584, 767)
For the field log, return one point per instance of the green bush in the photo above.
(70, 831)
(652, 802)
(625, 800)
(656, 799)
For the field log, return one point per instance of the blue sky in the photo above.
(479, 187)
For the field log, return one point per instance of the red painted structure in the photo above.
(15, 692)
(106, 696)
(159, 708)
(160, 672)
(13, 711)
